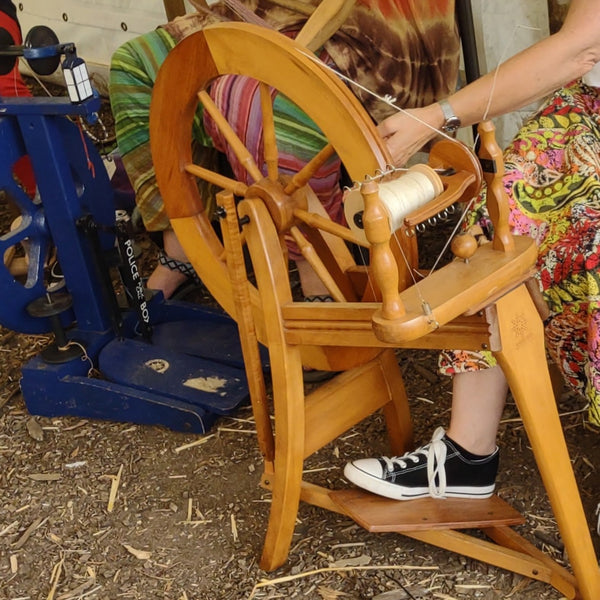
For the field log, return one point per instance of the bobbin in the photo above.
(401, 196)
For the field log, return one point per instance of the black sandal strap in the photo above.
(177, 265)
(318, 298)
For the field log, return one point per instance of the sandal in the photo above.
(174, 264)
(189, 289)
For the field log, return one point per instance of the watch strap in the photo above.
(451, 121)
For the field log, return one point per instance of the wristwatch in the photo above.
(451, 121)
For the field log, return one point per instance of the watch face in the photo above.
(451, 124)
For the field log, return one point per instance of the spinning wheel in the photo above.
(477, 301)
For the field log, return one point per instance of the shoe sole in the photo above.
(397, 492)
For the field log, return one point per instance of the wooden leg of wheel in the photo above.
(303, 425)
(520, 351)
(288, 398)
(396, 411)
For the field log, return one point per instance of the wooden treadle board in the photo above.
(378, 514)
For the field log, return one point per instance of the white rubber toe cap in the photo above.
(364, 467)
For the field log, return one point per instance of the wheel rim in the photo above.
(240, 49)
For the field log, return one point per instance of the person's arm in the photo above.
(529, 75)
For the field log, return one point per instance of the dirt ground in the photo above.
(106, 510)
(188, 518)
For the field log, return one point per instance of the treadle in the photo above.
(212, 386)
(378, 514)
(438, 522)
(221, 345)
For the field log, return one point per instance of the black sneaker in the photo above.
(438, 470)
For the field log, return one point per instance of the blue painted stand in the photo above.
(184, 378)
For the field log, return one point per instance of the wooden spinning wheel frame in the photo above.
(478, 303)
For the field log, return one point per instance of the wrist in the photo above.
(450, 122)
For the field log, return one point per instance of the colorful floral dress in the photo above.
(553, 182)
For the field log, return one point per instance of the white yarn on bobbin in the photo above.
(418, 186)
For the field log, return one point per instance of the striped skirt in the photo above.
(134, 69)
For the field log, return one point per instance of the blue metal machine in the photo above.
(159, 362)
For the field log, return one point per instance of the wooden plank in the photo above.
(349, 324)
(324, 22)
(485, 551)
(339, 404)
(561, 579)
(379, 514)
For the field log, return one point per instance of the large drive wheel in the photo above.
(279, 64)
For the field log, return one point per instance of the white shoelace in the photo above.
(435, 452)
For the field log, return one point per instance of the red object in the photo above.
(11, 85)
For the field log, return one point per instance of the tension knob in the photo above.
(464, 245)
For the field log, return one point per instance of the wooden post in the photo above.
(246, 325)
(383, 263)
(523, 359)
(174, 8)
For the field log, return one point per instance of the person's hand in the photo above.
(407, 132)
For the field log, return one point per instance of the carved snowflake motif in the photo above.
(519, 325)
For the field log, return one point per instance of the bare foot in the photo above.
(162, 278)
(165, 280)
(310, 281)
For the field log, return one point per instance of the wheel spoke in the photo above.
(306, 173)
(269, 139)
(238, 188)
(317, 221)
(242, 153)
(311, 256)
(239, 49)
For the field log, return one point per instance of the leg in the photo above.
(133, 72)
(461, 463)
(288, 398)
(163, 278)
(523, 359)
(477, 405)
